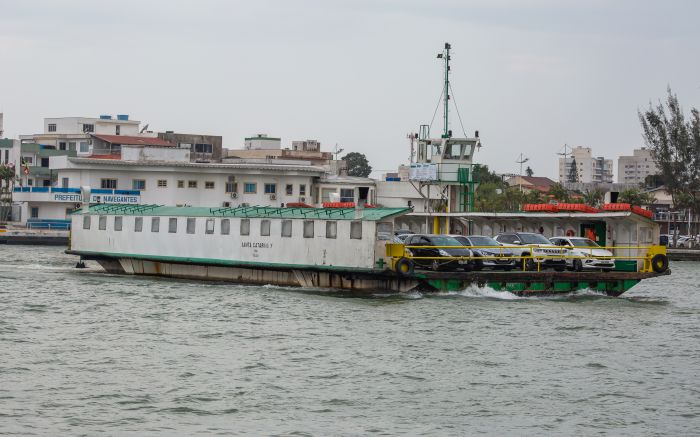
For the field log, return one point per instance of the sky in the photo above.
(529, 75)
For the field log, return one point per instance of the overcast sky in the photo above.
(530, 75)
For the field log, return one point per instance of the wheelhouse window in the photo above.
(209, 228)
(86, 221)
(191, 224)
(286, 228)
(308, 229)
(245, 227)
(250, 188)
(138, 224)
(102, 223)
(356, 230)
(118, 223)
(270, 188)
(162, 183)
(172, 225)
(289, 190)
(264, 228)
(209, 185)
(225, 226)
(331, 229)
(155, 224)
(108, 184)
(138, 184)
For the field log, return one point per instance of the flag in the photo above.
(25, 167)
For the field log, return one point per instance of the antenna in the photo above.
(445, 56)
(337, 151)
(521, 160)
(412, 139)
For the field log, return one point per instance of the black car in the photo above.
(442, 258)
(488, 252)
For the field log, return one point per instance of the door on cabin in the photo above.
(594, 231)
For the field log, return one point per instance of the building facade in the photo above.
(588, 168)
(203, 148)
(634, 169)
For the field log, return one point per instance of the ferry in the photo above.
(339, 248)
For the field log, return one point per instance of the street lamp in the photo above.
(521, 160)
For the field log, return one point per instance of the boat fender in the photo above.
(659, 263)
(404, 267)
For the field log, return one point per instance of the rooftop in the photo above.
(368, 214)
(134, 141)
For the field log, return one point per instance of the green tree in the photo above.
(594, 197)
(529, 172)
(559, 193)
(483, 175)
(573, 172)
(357, 164)
(674, 144)
(635, 196)
(7, 178)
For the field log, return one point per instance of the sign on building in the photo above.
(423, 172)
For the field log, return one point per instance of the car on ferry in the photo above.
(534, 250)
(422, 248)
(488, 253)
(590, 256)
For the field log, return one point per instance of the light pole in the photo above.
(521, 160)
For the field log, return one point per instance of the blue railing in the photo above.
(75, 190)
(60, 224)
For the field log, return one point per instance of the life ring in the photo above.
(404, 267)
(659, 263)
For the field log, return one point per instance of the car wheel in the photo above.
(477, 264)
(578, 265)
(435, 265)
(530, 265)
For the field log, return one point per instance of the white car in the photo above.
(590, 256)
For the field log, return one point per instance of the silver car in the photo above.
(586, 253)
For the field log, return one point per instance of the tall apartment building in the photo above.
(588, 167)
(634, 169)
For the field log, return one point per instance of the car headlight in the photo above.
(443, 252)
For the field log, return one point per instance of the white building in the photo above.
(588, 167)
(262, 142)
(634, 169)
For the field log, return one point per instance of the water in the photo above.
(85, 352)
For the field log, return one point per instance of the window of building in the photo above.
(191, 224)
(231, 187)
(84, 147)
(30, 182)
(208, 185)
(62, 145)
(155, 224)
(191, 184)
(289, 190)
(225, 226)
(118, 223)
(203, 148)
(286, 228)
(162, 183)
(172, 225)
(270, 188)
(138, 224)
(46, 183)
(87, 127)
(86, 221)
(102, 223)
(356, 230)
(108, 184)
(347, 195)
(264, 228)
(64, 182)
(250, 188)
(181, 184)
(52, 127)
(138, 184)
(44, 162)
(326, 194)
(308, 229)
(245, 226)
(28, 159)
(331, 229)
(117, 130)
(209, 228)
(69, 211)
(35, 212)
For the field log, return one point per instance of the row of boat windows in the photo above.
(265, 225)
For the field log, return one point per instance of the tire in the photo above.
(530, 265)
(578, 265)
(404, 267)
(659, 263)
(477, 264)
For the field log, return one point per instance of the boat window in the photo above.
(331, 229)
(155, 224)
(356, 230)
(172, 225)
(308, 229)
(245, 226)
(286, 228)
(118, 223)
(191, 223)
(209, 229)
(103, 222)
(138, 224)
(86, 221)
(264, 228)
(225, 226)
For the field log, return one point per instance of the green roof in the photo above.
(372, 214)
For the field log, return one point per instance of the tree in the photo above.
(7, 178)
(594, 197)
(357, 164)
(573, 173)
(483, 175)
(635, 196)
(674, 144)
(529, 172)
(559, 193)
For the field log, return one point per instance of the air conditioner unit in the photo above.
(234, 195)
(273, 197)
(302, 199)
(226, 204)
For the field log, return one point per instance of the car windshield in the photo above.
(534, 239)
(583, 242)
(445, 241)
(483, 241)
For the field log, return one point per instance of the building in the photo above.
(264, 147)
(588, 167)
(634, 169)
(307, 146)
(203, 148)
(531, 183)
(262, 142)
